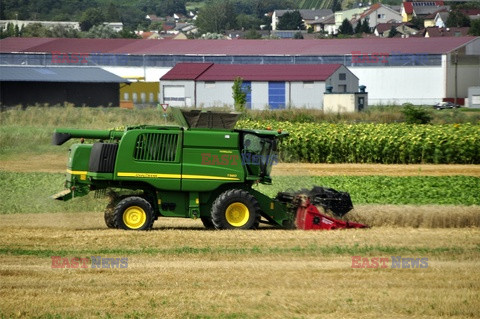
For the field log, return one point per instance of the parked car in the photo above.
(445, 105)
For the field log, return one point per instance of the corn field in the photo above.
(397, 143)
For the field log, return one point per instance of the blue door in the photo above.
(276, 95)
(247, 88)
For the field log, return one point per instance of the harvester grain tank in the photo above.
(202, 168)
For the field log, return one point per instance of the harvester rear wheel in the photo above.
(133, 213)
(235, 209)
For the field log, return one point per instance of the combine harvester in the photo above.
(203, 168)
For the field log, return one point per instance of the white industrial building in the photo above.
(274, 86)
(395, 70)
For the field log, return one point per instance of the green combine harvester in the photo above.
(203, 168)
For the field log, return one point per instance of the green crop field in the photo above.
(428, 212)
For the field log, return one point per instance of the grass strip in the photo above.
(311, 250)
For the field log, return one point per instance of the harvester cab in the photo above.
(203, 168)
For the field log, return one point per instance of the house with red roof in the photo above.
(272, 86)
(419, 8)
(379, 13)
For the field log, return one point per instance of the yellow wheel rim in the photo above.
(134, 217)
(237, 214)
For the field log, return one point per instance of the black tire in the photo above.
(110, 209)
(235, 209)
(207, 222)
(133, 213)
(109, 216)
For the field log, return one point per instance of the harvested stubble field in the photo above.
(181, 270)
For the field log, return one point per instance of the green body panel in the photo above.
(180, 170)
(210, 159)
(160, 174)
(79, 156)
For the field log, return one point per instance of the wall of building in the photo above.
(79, 94)
(140, 92)
(385, 16)
(343, 103)
(189, 93)
(474, 97)
(307, 94)
(149, 74)
(398, 85)
(467, 74)
(350, 83)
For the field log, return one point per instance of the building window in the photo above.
(126, 96)
(308, 84)
(381, 16)
(342, 88)
(342, 76)
(209, 84)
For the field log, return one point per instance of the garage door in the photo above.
(174, 95)
(276, 95)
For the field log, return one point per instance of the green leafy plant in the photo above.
(415, 115)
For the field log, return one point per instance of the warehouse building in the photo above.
(274, 86)
(29, 85)
(395, 70)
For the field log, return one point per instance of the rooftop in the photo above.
(251, 72)
(315, 47)
(57, 74)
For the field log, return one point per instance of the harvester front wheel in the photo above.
(133, 213)
(235, 209)
(207, 222)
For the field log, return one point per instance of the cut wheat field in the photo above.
(181, 270)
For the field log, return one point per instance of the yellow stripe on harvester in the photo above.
(153, 175)
(69, 171)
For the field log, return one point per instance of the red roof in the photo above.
(251, 72)
(186, 71)
(372, 9)
(408, 6)
(238, 47)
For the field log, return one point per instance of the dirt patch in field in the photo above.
(56, 163)
(290, 169)
(45, 163)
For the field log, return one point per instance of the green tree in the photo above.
(253, 34)
(336, 6)
(457, 19)
(346, 28)
(366, 27)
(239, 95)
(102, 32)
(35, 30)
(393, 32)
(91, 17)
(216, 16)
(415, 115)
(246, 22)
(358, 28)
(298, 36)
(60, 31)
(475, 28)
(291, 20)
(111, 13)
(169, 7)
(418, 22)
